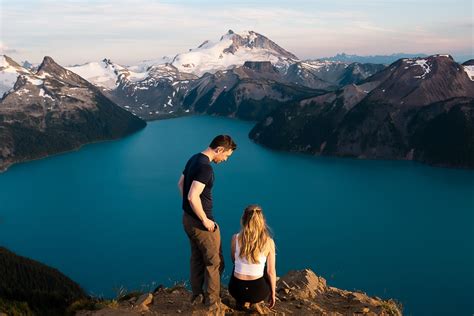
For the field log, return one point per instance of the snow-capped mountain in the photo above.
(415, 109)
(323, 74)
(104, 74)
(9, 72)
(233, 49)
(54, 110)
(156, 88)
(158, 94)
(469, 68)
(372, 59)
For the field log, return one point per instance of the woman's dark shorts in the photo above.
(249, 291)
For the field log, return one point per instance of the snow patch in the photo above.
(469, 71)
(103, 74)
(3, 61)
(34, 81)
(423, 63)
(43, 94)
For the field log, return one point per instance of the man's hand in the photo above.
(210, 225)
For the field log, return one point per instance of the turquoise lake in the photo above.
(109, 215)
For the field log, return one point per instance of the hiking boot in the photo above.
(215, 309)
(197, 299)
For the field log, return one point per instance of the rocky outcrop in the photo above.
(416, 109)
(48, 292)
(54, 110)
(298, 293)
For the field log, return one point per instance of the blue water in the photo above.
(109, 215)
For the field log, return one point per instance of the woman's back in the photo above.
(249, 270)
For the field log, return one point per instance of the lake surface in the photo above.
(109, 215)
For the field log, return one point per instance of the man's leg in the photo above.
(214, 264)
(197, 268)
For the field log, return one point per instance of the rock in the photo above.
(303, 284)
(143, 302)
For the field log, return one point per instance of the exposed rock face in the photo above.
(298, 293)
(249, 92)
(420, 109)
(252, 40)
(55, 110)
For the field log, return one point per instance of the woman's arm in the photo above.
(271, 271)
(232, 248)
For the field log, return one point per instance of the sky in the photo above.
(129, 31)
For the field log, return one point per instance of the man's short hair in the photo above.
(223, 141)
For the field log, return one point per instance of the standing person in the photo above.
(195, 185)
(251, 249)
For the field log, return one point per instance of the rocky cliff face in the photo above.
(55, 110)
(416, 109)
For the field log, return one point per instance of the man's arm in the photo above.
(181, 184)
(195, 202)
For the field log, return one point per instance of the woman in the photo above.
(251, 249)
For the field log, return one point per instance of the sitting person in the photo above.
(251, 248)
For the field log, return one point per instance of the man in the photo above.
(195, 185)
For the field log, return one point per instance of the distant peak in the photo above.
(8, 61)
(52, 68)
(203, 43)
(48, 59)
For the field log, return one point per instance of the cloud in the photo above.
(133, 29)
(5, 50)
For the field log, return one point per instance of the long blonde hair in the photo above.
(254, 234)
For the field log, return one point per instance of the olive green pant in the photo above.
(207, 262)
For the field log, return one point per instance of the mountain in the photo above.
(233, 49)
(158, 94)
(248, 92)
(104, 74)
(416, 109)
(45, 290)
(55, 110)
(152, 89)
(9, 72)
(329, 74)
(469, 68)
(158, 88)
(371, 59)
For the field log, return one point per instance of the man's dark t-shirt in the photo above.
(198, 168)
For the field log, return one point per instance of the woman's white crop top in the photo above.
(242, 266)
